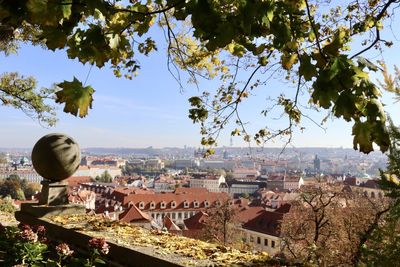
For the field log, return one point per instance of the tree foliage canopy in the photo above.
(310, 42)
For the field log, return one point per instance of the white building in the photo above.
(245, 173)
(155, 163)
(29, 174)
(97, 171)
(211, 182)
(187, 163)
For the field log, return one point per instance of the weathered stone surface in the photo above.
(54, 193)
(40, 211)
(56, 156)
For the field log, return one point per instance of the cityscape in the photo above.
(174, 189)
(199, 133)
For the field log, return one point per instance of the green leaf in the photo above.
(36, 6)
(307, 70)
(362, 132)
(113, 40)
(100, 261)
(77, 98)
(344, 106)
(66, 10)
(359, 73)
(288, 60)
(270, 14)
(366, 133)
(55, 38)
(374, 109)
(335, 69)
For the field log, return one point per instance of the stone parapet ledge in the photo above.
(134, 246)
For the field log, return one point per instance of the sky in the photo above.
(149, 110)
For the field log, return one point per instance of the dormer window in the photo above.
(186, 204)
(163, 205)
(130, 204)
(173, 204)
(196, 204)
(141, 205)
(218, 203)
(206, 204)
(152, 205)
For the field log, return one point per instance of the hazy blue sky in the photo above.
(149, 110)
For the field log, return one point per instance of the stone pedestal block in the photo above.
(54, 193)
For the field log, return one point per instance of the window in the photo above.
(206, 204)
(179, 215)
(266, 242)
(251, 239)
(258, 240)
(173, 204)
(152, 205)
(272, 244)
(186, 204)
(141, 205)
(196, 204)
(173, 215)
(163, 205)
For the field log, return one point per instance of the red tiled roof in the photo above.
(241, 202)
(248, 213)
(196, 221)
(76, 180)
(103, 208)
(170, 225)
(179, 199)
(133, 214)
(121, 192)
(185, 190)
(267, 222)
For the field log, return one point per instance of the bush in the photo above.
(28, 246)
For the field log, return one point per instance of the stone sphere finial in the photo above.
(56, 156)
